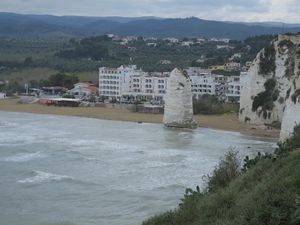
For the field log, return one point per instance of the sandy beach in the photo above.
(227, 122)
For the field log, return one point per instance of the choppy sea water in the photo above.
(68, 170)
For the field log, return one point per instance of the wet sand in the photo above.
(227, 122)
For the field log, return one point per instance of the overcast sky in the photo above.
(233, 10)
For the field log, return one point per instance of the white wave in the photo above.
(40, 176)
(23, 157)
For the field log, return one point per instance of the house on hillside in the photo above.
(83, 90)
(230, 66)
(164, 62)
(216, 67)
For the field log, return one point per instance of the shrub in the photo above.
(290, 144)
(227, 170)
(267, 60)
(266, 99)
(208, 104)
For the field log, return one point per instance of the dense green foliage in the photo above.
(90, 53)
(62, 80)
(34, 60)
(267, 60)
(265, 192)
(227, 170)
(209, 104)
(59, 79)
(266, 99)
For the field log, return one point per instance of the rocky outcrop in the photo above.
(271, 86)
(178, 110)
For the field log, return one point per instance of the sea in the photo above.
(59, 170)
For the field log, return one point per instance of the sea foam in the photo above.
(23, 157)
(40, 176)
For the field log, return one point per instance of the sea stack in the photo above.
(179, 101)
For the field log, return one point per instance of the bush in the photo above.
(266, 99)
(267, 60)
(227, 170)
(266, 193)
(209, 104)
(290, 144)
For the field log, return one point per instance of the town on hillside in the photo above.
(130, 83)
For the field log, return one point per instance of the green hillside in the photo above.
(265, 192)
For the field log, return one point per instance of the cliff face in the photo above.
(271, 87)
(178, 101)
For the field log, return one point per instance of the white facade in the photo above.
(109, 82)
(203, 82)
(83, 90)
(233, 88)
(147, 86)
(127, 81)
(226, 88)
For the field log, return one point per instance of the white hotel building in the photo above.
(203, 82)
(233, 88)
(127, 82)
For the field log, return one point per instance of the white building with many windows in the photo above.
(204, 82)
(115, 81)
(233, 89)
(128, 82)
(147, 86)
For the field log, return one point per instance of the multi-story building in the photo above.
(226, 88)
(110, 82)
(147, 86)
(233, 89)
(128, 82)
(204, 82)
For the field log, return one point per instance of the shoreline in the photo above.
(226, 122)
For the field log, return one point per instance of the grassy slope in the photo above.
(25, 75)
(267, 194)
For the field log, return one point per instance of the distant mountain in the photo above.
(47, 26)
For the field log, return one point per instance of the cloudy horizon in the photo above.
(222, 10)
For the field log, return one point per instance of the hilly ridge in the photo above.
(18, 25)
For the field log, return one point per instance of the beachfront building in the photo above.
(52, 92)
(226, 88)
(202, 81)
(147, 87)
(233, 89)
(83, 90)
(115, 81)
(127, 83)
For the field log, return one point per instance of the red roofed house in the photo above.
(83, 90)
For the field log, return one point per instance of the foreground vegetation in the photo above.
(264, 191)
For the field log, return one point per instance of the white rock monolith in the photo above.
(178, 111)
